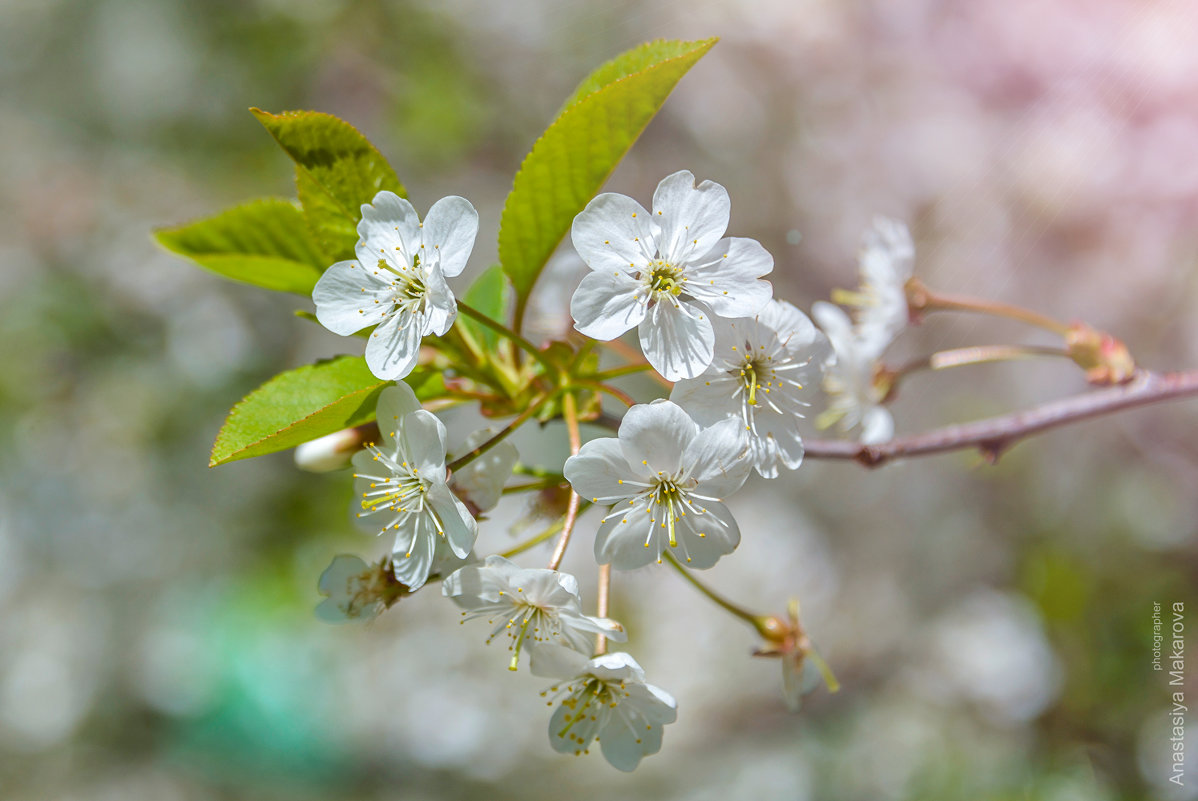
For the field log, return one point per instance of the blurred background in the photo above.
(991, 625)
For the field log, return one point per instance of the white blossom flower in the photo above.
(764, 370)
(854, 396)
(356, 590)
(604, 699)
(402, 486)
(480, 483)
(885, 262)
(533, 606)
(666, 272)
(665, 478)
(397, 282)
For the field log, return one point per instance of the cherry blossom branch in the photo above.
(994, 436)
(570, 412)
(604, 597)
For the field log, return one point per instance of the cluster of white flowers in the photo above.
(853, 382)
(746, 366)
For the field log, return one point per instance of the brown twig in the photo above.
(571, 414)
(994, 436)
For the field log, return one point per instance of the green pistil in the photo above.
(519, 642)
(752, 382)
(664, 278)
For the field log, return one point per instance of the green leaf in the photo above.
(264, 243)
(298, 406)
(490, 294)
(631, 62)
(573, 158)
(336, 171)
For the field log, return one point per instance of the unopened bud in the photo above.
(334, 451)
(1105, 359)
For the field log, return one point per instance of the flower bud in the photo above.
(333, 451)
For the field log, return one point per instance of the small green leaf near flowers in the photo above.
(336, 170)
(305, 403)
(573, 158)
(263, 242)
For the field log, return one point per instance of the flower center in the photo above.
(594, 699)
(409, 287)
(665, 277)
(671, 501)
(401, 491)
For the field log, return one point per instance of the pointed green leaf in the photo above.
(573, 158)
(490, 294)
(631, 62)
(298, 406)
(264, 243)
(336, 171)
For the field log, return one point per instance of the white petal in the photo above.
(568, 737)
(440, 306)
(394, 403)
(389, 225)
(606, 304)
(704, 538)
(481, 481)
(422, 441)
(614, 232)
(877, 425)
(835, 323)
(719, 455)
(655, 436)
(775, 446)
(677, 339)
(556, 662)
(793, 328)
(394, 347)
(692, 218)
(412, 557)
(459, 525)
(623, 747)
(349, 298)
(621, 540)
(598, 468)
(887, 252)
(726, 279)
(708, 398)
(450, 228)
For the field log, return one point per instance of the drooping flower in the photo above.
(664, 478)
(802, 666)
(480, 483)
(604, 699)
(535, 607)
(885, 263)
(854, 395)
(765, 369)
(402, 486)
(356, 590)
(397, 282)
(666, 273)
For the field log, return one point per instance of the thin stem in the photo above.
(619, 394)
(922, 299)
(467, 458)
(630, 354)
(536, 472)
(545, 535)
(978, 354)
(617, 372)
(570, 412)
(507, 333)
(995, 435)
(536, 485)
(711, 594)
(601, 605)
